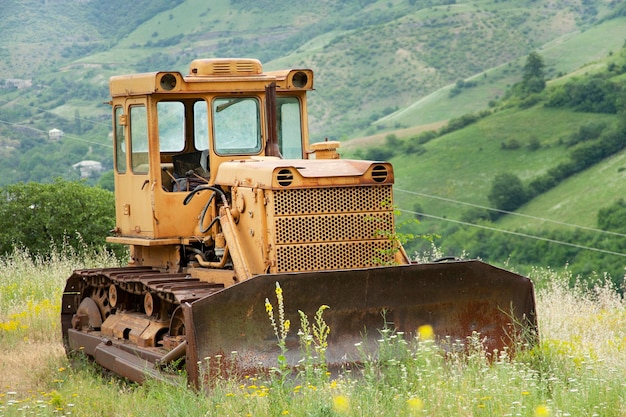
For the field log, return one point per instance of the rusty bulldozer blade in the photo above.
(455, 298)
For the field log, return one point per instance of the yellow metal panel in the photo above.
(262, 172)
(135, 84)
(177, 219)
(225, 66)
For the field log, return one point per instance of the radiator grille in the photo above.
(326, 256)
(331, 228)
(331, 200)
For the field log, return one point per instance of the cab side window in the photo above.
(289, 127)
(120, 141)
(139, 139)
(171, 121)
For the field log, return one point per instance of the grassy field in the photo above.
(461, 165)
(576, 370)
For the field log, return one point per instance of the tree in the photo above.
(534, 79)
(36, 216)
(507, 192)
(613, 218)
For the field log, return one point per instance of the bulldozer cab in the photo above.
(172, 132)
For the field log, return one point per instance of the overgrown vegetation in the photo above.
(41, 218)
(577, 369)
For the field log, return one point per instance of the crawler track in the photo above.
(128, 317)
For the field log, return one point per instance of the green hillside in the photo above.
(564, 55)
(372, 57)
(461, 165)
(565, 145)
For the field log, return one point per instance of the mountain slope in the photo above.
(554, 143)
(372, 58)
(563, 55)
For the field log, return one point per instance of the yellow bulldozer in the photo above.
(220, 196)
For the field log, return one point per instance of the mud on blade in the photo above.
(455, 298)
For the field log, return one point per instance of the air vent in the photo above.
(379, 173)
(284, 177)
(221, 68)
(225, 67)
(246, 67)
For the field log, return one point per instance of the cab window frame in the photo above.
(219, 139)
(119, 132)
(138, 129)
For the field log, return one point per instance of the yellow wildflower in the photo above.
(415, 404)
(341, 403)
(426, 332)
(542, 411)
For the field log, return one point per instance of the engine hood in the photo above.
(274, 173)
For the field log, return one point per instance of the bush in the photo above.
(507, 192)
(588, 131)
(413, 147)
(377, 153)
(592, 94)
(613, 218)
(512, 144)
(40, 216)
(534, 144)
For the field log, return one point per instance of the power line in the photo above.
(516, 233)
(591, 229)
(65, 135)
(75, 118)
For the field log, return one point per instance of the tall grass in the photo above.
(577, 369)
(30, 313)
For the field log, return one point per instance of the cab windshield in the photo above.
(236, 126)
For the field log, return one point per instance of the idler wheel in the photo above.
(87, 315)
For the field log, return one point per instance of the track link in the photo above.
(130, 309)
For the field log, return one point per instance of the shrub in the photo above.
(507, 192)
(40, 216)
(613, 218)
(592, 94)
(377, 153)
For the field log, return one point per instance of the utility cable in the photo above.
(65, 135)
(591, 229)
(495, 229)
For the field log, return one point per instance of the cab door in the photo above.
(133, 188)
